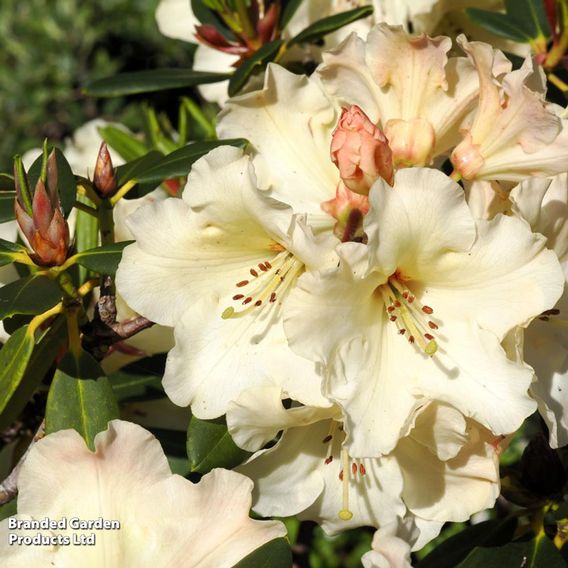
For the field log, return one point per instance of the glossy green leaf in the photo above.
(539, 552)
(31, 296)
(124, 143)
(179, 162)
(263, 56)
(453, 550)
(151, 81)
(321, 28)
(41, 361)
(86, 235)
(7, 206)
(66, 182)
(172, 441)
(210, 445)
(273, 554)
(14, 358)
(10, 251)
(80, 397)
(524, 21)
(103, 260)
(289, 8)
(129, 387)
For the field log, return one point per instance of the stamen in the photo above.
(242, 283)
(254, 272)
(345, 514)
(362, 469)
(238, 297)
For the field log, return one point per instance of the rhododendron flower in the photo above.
(217, 265)
(165, 520)
(446, 468)
(544, 204)
(514, 132)
(420, 312)
(391, 546)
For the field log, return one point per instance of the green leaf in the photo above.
(86, 236)
(289, 9)
(536, 553)
(129, 387)
(172, 441)
(179, 162)
(453, 550)
(7, 182)
(30, 296)
(124, 143)
(210, 445)
(7, 199)
(525, 21)
(39, 364)
(273, 554)
(321, 28)
(80, 397)
(14, 358)
(263, 56)
(103, 260)
(207, 16)
(8, 509)
(151, 81)
(131, 170)
(66, 182)
(10, 251)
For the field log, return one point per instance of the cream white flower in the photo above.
(445, 469)
(391, 546)
(544, 204)
(217, 265)
(514, 132)
(165, 520)
(420, 312)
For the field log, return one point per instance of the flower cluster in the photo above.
(335, 286)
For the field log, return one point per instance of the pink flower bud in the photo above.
(348, 208)
(467, 158)
(360, 151)
(104, 180)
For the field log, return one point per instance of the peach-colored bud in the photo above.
(466, 158)
(348, 208)
(411, 141)
(360, 151)
(104, 179)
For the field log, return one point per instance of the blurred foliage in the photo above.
(49, 50)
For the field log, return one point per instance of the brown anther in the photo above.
(242, 283)
(353, 468)
(411, 299)
(432, 325)
(553, 312)
(362, 469)
(327, 439)
(544, 318)
(328, 460)
(405, 294)
(341, 475)
(247, 301)
(427, 310)
(267, 264)
(272, 297)
(402, 331)
(238, 296)
(262, 267)
(397, 303)
(258, 303)
(393, 318)
(390, 309)
(254, 272)
(428, 336)
(411, 339)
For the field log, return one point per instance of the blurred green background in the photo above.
(49, 50)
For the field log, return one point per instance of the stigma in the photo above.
(265, 284)
(413, 319)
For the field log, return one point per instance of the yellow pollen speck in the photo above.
(228, 313)
(431, 347)
(345, 515)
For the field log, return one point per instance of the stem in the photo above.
(73, 332)
(106, 220)
(85, 208)
(123, 191)
(558, 82)
(38, 320)
(557, 52)
(86, 188)
(9, 487)
(88, 286)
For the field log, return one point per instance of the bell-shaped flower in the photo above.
(514, 132)
(162, 519)
(445, 469)
(226, 255)
(420, 312)
(544, 204)
(407, 86)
